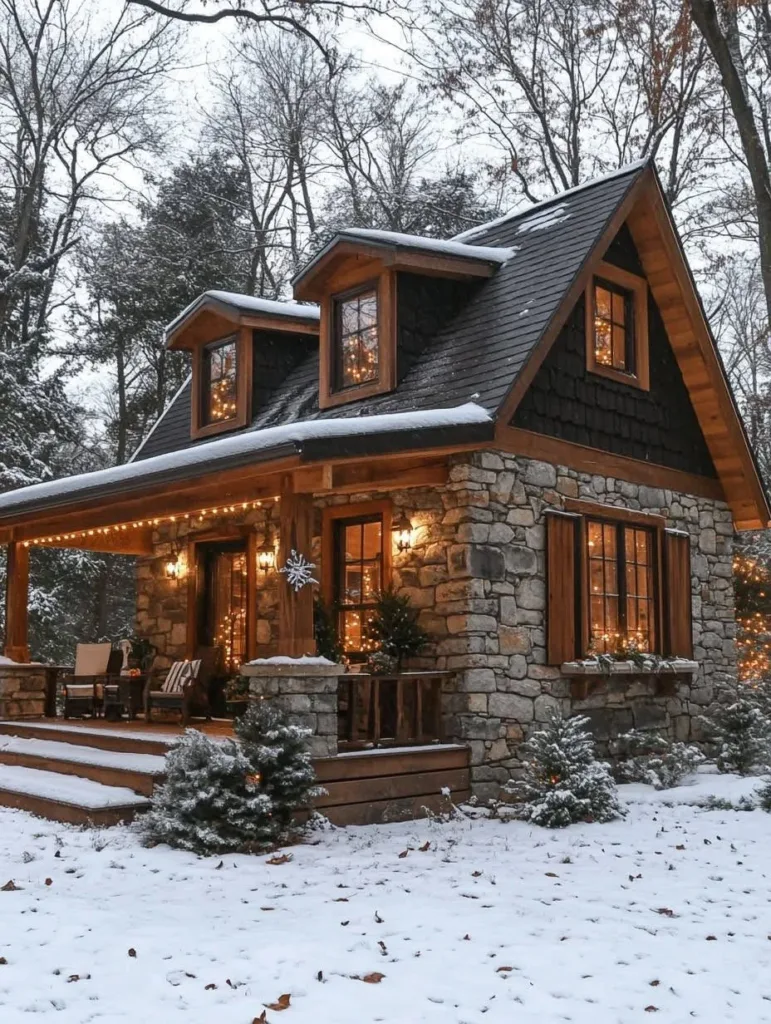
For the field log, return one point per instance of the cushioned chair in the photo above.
(185, 687)
(83, 688)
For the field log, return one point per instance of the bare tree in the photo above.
(566, 89)
(77, 102)
(739, 39)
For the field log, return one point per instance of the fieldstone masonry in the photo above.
(308, 694)
(476, 572)
(22, 691)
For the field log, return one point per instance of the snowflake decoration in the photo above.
(297, 570)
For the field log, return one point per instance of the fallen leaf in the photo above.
(712, 938)
(282, 858)
(49, 881)
(209, 987)
(78, 977)
(3, 961)
(320, 976)
(424, 848)
(378, 918)
(58, 853)
(467, 938)
(282, 1004)
(651, 1009)
(10, 886)
(666, 912)
(403, 854)
(655, 982)
(220, 865)
(374, 978)
(262, 1019)
(132, 952)
(382, 945)
(475, 874)
(341, 899)
(551, 874)
(344, 923)
(681, 847)
(499, 969)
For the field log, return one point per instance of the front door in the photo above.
(222, 572)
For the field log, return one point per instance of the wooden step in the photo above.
(138, 772)
(125, 742)
(76, 801)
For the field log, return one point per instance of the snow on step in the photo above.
(66, 789)
(85, 730)
(147, 764)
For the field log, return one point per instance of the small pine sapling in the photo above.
(763, 795)
(325, 632)
(395, 629)
(210, 801)
(649, 757)
(564, 783)
(742, 735)
(279, 755)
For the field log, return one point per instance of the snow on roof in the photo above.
(235, 449)
(152, 429)
(449, 247)
(526, 211)
(246, 304)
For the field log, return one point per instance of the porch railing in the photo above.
(395, 710)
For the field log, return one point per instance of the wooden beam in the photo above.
(295, 607)
(16, 603)
(593, 460)
(370, 476)
(130, 542)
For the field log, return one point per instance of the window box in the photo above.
(593, 667)
(589, 677)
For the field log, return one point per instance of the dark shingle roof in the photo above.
(477, 356)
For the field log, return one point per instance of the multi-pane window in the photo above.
(613, 327)
(219, 392)
(358, 579)
(621, 579)
(223, 600)
(356, 340)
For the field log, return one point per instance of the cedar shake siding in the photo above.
(568, 402)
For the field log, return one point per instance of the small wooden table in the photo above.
(124, 694)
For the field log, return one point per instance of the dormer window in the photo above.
(219, 383)
(617, 326)
(357, 346)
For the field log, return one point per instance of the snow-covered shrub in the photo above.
(279, 753)
(564, 782)
(649, 757)
(764, 795)
(211, 801)
(742, 736)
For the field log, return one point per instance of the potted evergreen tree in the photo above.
(395, 629)
(236, 696)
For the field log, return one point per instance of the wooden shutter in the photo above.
(563, 573)
(678, 627)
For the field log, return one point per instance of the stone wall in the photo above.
(476, 572)
(22, 691)
(308, 695)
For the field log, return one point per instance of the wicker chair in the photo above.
(185, 687)
(95, 665)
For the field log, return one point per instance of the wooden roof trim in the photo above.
(675, 293)
(527, 374)
(312, 284)
(262, 321)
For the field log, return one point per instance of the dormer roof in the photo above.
(214, 310)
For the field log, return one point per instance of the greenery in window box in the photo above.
(325, 632)
(394, 628)
(628, 650)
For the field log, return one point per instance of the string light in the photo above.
(109, 531)
(753, 640)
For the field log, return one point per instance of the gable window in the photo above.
(357, 349)
(617, 581)
(219, 391)
(617, 326)
(621, 585)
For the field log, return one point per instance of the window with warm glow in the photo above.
(613, 327)
(622, 580)
(357, 354)
(358, 579)
(219, 397)
(223, 601)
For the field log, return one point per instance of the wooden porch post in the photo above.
(16, 601)
(295, 609)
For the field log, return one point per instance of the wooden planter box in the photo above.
(589, 677)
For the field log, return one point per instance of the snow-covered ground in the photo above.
(665, 915)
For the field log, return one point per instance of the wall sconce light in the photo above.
(173, 569)
(266, 558)
(403, 533)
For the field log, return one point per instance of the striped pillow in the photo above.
(176, 677)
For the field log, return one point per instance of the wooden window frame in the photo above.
(242, 418)
(638, 289)
(384, 285)
(330, 519)
(619, 517)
